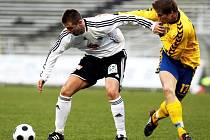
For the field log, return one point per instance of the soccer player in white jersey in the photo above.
(103, 43)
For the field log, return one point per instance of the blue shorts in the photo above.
(181, 72)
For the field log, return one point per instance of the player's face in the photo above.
(75, 29)
(167, 18)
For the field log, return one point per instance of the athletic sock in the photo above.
(175, 113)
(181, 131)
(161, 113)
(63, 107)
(118, 112)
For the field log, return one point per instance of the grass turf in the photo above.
(90, 116)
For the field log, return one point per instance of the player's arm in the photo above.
(148, 13)
(111, 22)
(58, 48)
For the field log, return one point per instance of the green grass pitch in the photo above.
(90, 117)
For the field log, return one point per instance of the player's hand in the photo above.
(159, 29)
(40, 85)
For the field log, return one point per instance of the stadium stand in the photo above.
(23, 23)
(39, 14)
(30, 26)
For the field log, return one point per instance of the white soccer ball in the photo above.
(24, 132)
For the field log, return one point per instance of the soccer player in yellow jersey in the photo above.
(180, 56)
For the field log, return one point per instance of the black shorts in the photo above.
(92, 68)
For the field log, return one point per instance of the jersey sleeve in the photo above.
(58, 48)
(108, 22)
(148, 13)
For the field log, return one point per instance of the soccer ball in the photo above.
(24, 132)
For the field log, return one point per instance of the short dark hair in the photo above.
(165, 6)
(71, 15)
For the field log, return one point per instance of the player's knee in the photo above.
(169, 93)
(66, 92)
(112, 93)
(168, 90)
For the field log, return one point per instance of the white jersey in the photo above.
(102, 38)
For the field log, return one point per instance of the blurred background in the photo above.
(28, 29)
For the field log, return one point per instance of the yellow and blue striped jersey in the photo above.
(180, 41)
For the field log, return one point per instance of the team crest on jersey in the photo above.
(92, 46)
(112, 68)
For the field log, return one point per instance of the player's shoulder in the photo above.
(100, 17)
(182, 14)
(64, 31)
(184, 18)
(64, 34)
